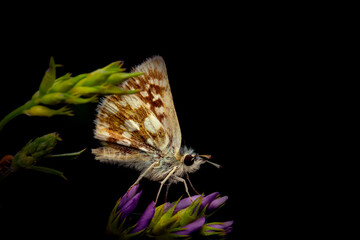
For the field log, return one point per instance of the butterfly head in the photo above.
(192, 160)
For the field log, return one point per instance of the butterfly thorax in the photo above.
(168, 162)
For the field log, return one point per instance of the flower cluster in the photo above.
(181, 219)
(80, 89)
(34, 151)
(69, 90)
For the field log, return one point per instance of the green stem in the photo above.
(16, 113)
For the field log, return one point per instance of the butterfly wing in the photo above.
(146, 121)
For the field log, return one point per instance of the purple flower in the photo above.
(128, 195)
(217, 203)
(167, 206)
(192, 227)
(208, 199)
(145, 218)
(224, 227)
(166, 221)
(184, 203)
(129, 202)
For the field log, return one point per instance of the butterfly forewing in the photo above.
(145, 121)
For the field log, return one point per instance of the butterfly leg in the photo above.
(144, 173)
(187, 177)
(183, 180)
(167, 191)
(164, 181)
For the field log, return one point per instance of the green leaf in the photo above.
(189, 214)
(48, 79)
(74, 154)
(166, 220)
(48, 170)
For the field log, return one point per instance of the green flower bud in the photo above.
(35, 149)
(35, 95)
(110, 89)
(63, 78)
(95, 78)
(99, 77)
(115, 66)
(66, 84)
(118, 78)
(79, 100)
(43, 145)
(43, 111)
(81, 91)
(53, 98)
(49, 78)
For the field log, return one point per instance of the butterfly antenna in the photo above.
(206, 159)
(214, 164)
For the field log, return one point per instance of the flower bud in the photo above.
(114, 90)
(66, 84)
(184, 203)
(49, 78)
(130, 206)
(43, 111)
(217, 203)
(208, 199)
(115, 67)
(118, 78)
(79, 100)
(127, 196)
(95, 78)
(53, 98)
(145, 218)
(217, 228)
(35, 149)
(81, 91)
(191, 227)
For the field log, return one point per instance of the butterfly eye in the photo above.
(189, 160)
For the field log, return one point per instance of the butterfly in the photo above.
(142, 130)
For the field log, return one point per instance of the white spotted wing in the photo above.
(139, 126)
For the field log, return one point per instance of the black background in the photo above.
(225, 79)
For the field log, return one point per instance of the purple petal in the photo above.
(217, 203)
(130, 206)
(192, 227)
(167, 206)
(184, 203)
(127, 196)
(208, 199)
(224, 225)
(145, 218)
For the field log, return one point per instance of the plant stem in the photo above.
(16, 113)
